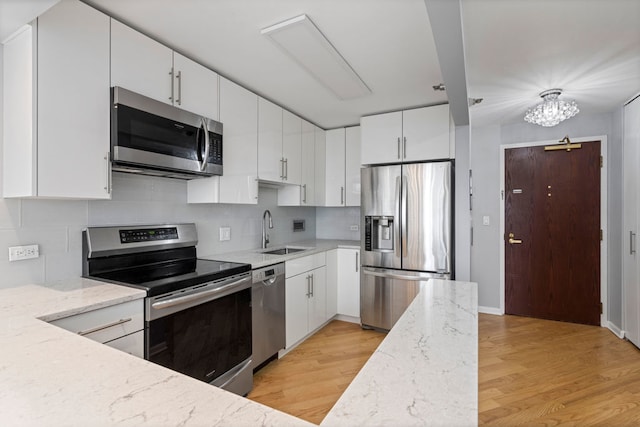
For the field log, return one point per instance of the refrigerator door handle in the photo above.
(397, 243)
(395, 276)
(403, 219)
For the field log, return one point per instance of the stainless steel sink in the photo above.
(284, 251)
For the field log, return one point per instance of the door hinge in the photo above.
(600, 308)
(601, 161)
(601, 235)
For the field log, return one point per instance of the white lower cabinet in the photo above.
(343, 283)
(305, 297)
(119, 326)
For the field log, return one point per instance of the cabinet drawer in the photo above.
(132, 344)
(307, 263)
(106, 324)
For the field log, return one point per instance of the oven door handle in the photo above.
(159, 305)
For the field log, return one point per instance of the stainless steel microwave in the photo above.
(153, 138)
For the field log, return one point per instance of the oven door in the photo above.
(203, 332)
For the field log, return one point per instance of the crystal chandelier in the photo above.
(552, 110)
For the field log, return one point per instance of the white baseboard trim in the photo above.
(490, 310)
(617, 331)
(346, 318)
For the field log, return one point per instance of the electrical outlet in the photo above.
(354, 227)
(18, 253)
(225, 233)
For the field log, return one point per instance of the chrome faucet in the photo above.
(265, 236)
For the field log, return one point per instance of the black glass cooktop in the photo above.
(172, 275)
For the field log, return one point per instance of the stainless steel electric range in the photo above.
(197, 312)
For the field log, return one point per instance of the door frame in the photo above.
(604, 222)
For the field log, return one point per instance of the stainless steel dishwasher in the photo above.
(267, 302)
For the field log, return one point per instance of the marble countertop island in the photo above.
(424, 372)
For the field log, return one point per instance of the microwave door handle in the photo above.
(203, 165)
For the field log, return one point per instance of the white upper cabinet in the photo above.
(271, 165)
(320, 137)
(308, 166)
(335, 175)
(279, 145)
(382, 136)
(140, 64)
(239, 184)
(352, 166)
(425, 133)
(292, 147)
(143, 65)
(195, 87)
(56, 106)
(406, 136)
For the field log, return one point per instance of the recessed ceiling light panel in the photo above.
(305, 44)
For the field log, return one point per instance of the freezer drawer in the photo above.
(386, 294)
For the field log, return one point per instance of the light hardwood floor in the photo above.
(531, 372)
(308, 381)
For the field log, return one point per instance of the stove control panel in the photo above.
(148, 235)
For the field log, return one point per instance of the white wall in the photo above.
(462, 209)
(485, 163)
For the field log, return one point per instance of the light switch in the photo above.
(485, 220)
(225, 233)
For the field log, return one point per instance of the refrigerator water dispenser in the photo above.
(379, 233)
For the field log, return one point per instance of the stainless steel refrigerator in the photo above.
(406, 237)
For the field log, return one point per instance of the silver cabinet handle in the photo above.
(308, 286)
(342, 195)
(632, 240)
(172, 85)
(107, 326)
(357, 266)
(304, 192)
(312, 285)
(286, 169)
(107, 159)
(404, 147)
(399, 155)
(282, 168)
(179, 78)
(203, 165)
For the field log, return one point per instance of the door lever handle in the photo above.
(513, 241)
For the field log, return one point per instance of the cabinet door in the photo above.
(318, 299)
(349, 282)
(352, 166)
(195, 87)
(335, 191)
(332, 283)
(270, 160)
(308, 194)
(292, 147)
(73, 70)
(140, 64)
(381, 135)
(321, 165)
(630, 259)
(297, 289)
(426, 133)
(239, 116)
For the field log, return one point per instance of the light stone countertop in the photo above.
(257, 258)
(424, 372)
(52, 377)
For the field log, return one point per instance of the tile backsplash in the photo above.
(57, 225)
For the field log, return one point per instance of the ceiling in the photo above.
(510, 49)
